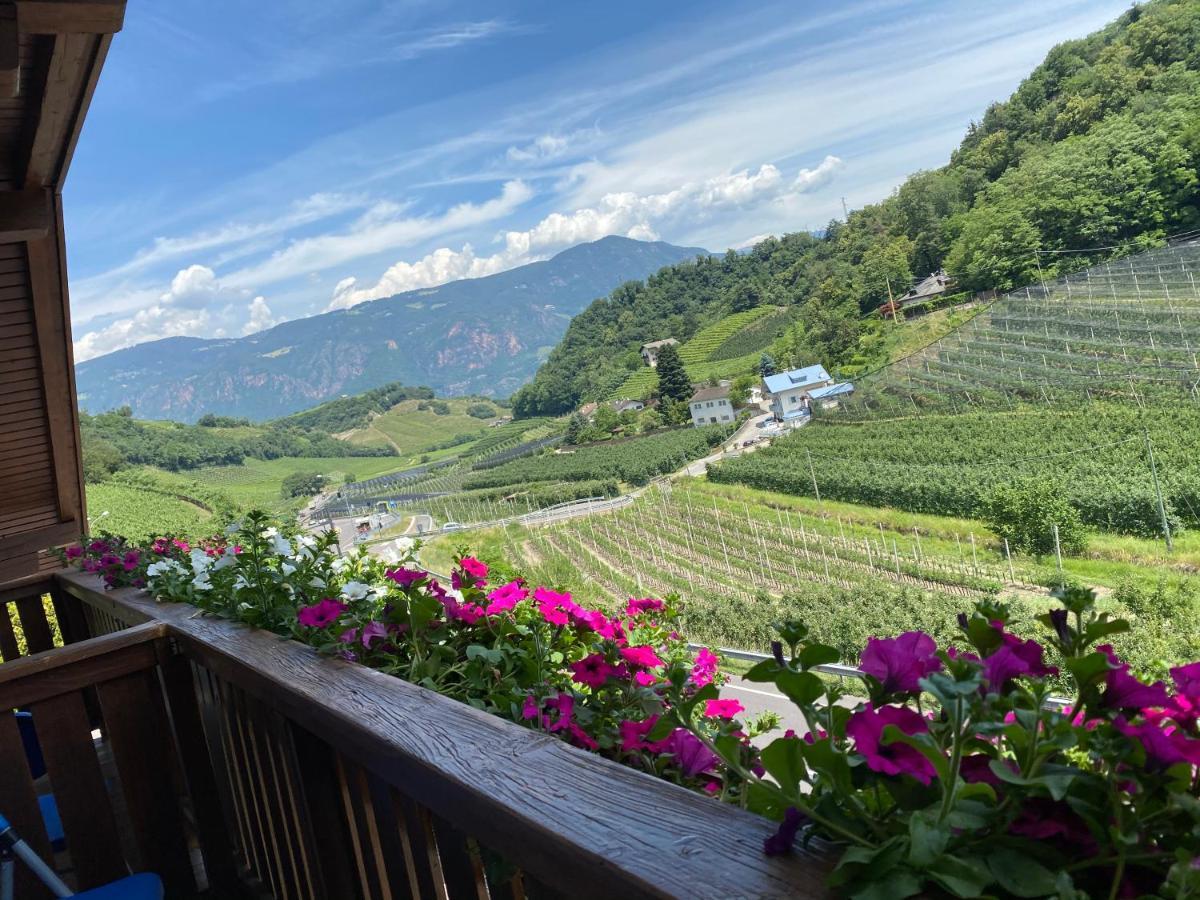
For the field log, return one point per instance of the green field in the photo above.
(742, 559)
(414, 431)
(257, 482)
(138, 513)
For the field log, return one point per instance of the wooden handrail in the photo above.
(581, 824)
(64, 669)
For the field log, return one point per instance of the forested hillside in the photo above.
(1095, 154)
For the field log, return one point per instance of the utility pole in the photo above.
(813, 473)
(845, 211)
(1162, 507)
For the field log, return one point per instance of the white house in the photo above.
(789, 391)
(628, 405)
(711, 406)
(650, 351)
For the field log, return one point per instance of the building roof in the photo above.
(655, 344)
(622, 405)
(930, 286)
(796, 378)
(831, 390)
(721, 392)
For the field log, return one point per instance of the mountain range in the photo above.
(481, 336)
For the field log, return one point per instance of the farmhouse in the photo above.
(650, 351)
(628, 405)
(930, 287)
(711, 406)
(827, 397)
(788, 392)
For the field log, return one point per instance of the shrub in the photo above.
(481, 411)
(1025, 512)
(301, 484)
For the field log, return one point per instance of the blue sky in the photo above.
(244, 164)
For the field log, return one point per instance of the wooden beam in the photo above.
(10, 58)
(71, 16)
(25, 215)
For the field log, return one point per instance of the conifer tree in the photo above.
(673, 380)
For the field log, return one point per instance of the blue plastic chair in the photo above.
(37, 768)
(143, 886)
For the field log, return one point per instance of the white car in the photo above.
(453, 526)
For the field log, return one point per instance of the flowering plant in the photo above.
(959, 774)
(599, 680)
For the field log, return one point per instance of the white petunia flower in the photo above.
(201, 583)
(201, 562)
(226, 560)
(318, 583)
(287, 568)
(355, 590)
(233, 528)
(339, 564)
(281, 545)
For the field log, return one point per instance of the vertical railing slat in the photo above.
(66, 737)
(38, 636)
(18, 801)
(320, 795)
(136, 726)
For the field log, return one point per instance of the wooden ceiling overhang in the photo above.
(51, 53)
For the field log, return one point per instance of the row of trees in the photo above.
(1098, 148)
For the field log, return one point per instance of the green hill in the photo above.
(1097, 148)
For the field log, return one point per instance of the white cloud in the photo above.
(197, 304)
(626, 213)
(809, 180)
(260, 316)
(548, 146)
(380, 229)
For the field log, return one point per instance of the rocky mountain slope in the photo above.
(482, 336)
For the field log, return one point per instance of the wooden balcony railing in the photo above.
(231, 760)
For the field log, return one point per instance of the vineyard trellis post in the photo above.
(1162, 508)
(1062, 580)
(1008, 556)
(813, 472)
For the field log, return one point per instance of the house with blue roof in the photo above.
(827, 397)
(788, 392)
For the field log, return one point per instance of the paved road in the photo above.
(759, 698)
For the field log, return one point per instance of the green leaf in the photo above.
(784, 761)
(927, 839)
(828, 762)
(923, 743)
(764, 671)
(1055, 779)
(662, 729)
(1021, 875)
(1088, 669)
(818, 655)
(477, 651)
(898, 884)
(802, 688)
(963, 876)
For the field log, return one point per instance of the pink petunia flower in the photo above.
(900, 663)
(555, 608)
(564, 705)
(642, 655)
(321, 614)
(581, 738)
(505, 597)
(645, 679)
(866, 728)
(704, 669)
(645, 604)
(689, 753)
(130, 561)
(1165, 747)
(74, 551)
(723, 709)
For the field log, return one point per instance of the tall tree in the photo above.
(673, 382)
(766, 364)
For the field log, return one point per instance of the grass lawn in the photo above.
(256, 483)
(414, 431)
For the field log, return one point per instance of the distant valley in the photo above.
(479, 336)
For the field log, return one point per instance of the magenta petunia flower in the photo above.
(1014, 659)
(160, 546)
(321, 614)
(130, 560)
(530, 709)
(704, 669)
(581, 738)
(900, 663)
(1123, 691)
(592, 670)
(74, 551)
(371, 631)
(866, 728)
(564, 705)
(461, 610)
(505, 597)
(108, 560)
(1165, 747)
(405, 577)
(99, 547)
(633, 734)
(689, 752)
(643, 678)
(642, 655)
(723, 709)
